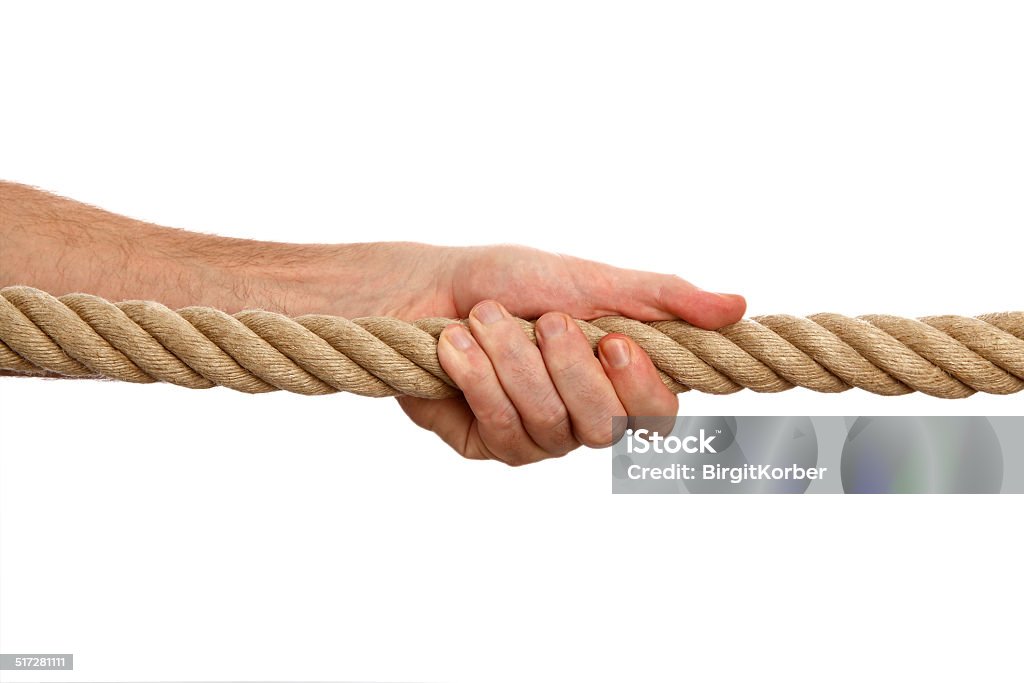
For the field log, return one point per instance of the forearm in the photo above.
(62, 246)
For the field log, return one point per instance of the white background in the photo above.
(857, 158)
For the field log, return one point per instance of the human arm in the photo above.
(522, 402)
(61, 246)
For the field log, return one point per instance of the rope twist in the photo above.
(254, 351)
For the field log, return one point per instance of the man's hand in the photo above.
(523, 402)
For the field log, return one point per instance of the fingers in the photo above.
(520, 371)
(644, 396)
(581, 382)
(634, 377)
(497, 431)
(524, 402)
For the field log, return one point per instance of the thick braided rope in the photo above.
(80, 335)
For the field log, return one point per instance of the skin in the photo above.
(521, 403)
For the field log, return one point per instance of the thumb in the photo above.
(608, 290)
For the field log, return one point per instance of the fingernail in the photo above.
(617, 352)
(488, 312)
(551, 326)
(458, 336)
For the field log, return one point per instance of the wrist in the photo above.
(405, 280)
(399, 279)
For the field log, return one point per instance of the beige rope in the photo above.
(80, 335)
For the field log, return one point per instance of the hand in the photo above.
(523, 402)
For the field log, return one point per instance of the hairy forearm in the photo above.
(62, 246)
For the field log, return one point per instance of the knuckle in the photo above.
(669, 404)
(510, 452)
(515, 460)
(597, 441)
(659, 401)
(595, 433)
(551, 427)
(552, 416)
(667, 289)
(517, 366)
(502, 419)
(513, 353)
(520, 457)
(474, 454)
(477, 373)
(567, 366)
(662, 425)
(503, 447)
(474, 369)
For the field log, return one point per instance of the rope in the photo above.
(80, 335)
